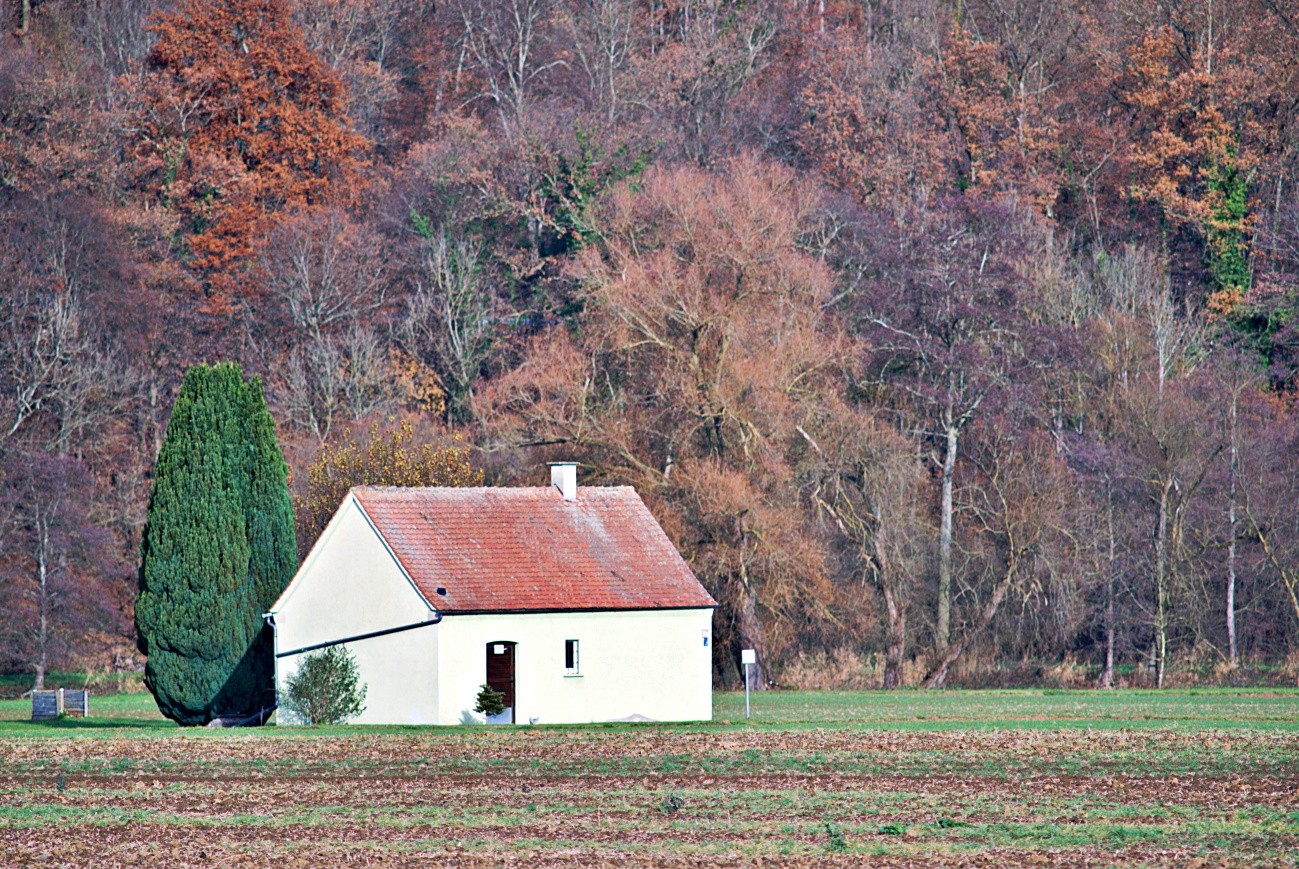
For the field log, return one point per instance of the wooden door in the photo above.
(500, 672)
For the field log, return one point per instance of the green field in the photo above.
(1138, 778)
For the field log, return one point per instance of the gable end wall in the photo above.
(352, 585)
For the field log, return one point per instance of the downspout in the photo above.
(269, 618)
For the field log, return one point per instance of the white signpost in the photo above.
(748, 657)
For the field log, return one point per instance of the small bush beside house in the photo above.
(490, 703)
(325, 689)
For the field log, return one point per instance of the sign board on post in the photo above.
(748, 657)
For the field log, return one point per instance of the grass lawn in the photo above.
(135, 712)
(1135, 778)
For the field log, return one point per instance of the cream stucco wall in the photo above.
(646, 662)
(349, 585)
(652, 663)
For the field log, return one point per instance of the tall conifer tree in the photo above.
(217, 550)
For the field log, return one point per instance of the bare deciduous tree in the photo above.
(47, 541)
(326, 269)
(601, 32)
(1019, 503)
(63, 378)
(452, 319)
(946, 314)
(338, 377)
(116, 31)
(504, 42)
(866, 481)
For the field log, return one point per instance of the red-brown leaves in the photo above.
(241, 121)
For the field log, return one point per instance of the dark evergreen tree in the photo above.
(217, 550)
(268, 509)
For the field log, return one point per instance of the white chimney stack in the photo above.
(563, 476)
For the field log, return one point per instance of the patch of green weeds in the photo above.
(1124, 834)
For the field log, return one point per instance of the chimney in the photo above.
(563, 476)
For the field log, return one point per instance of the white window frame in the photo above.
(576, 647)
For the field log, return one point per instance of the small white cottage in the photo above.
(571, 602)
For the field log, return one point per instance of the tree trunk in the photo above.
(1233, 658)
(896, 649)
(1232, 655)
(25, 20)
(1289, 578)
(751, 629)
(1161, 585)
(1107, 677)
(945, 535)
(42, 639)
(938, 678)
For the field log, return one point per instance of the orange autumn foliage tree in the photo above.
(1184, 120)
(1008, 138)
(875, 118)
(1198, 147)
(238, 121)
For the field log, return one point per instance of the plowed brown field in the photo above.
(651, 795)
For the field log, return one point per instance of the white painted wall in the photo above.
(645, 662)
(350, 584)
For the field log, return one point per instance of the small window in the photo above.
(570, 658)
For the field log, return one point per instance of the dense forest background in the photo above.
(950, 341)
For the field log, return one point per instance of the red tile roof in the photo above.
(497, 550)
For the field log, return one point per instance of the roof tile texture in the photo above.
(517, 549)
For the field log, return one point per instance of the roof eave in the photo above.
(597, 609)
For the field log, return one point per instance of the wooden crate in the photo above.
(76, 704)
(52, 704)
(45, 705)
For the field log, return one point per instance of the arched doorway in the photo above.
(500, 677)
